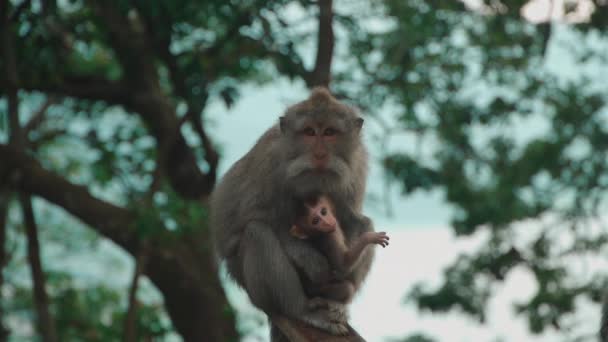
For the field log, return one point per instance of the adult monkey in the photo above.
(315, 148)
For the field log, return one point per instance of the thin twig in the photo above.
(38, 117)
(130, 328)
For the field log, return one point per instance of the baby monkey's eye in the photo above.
(323, 211)
(315, 220)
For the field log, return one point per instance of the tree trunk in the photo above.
(321, 74)
(194, 298)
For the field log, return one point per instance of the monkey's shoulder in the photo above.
(269, 138)
(264, 146)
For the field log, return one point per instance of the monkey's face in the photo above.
(320, 137)
(321, 217)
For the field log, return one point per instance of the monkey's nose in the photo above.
(319, 161)
(320, 156)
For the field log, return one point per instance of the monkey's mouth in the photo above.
(302, 168)
(327, 229)
(320, 172)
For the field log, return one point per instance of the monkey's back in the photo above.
(243, 194)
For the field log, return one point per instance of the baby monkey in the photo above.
(319, 224)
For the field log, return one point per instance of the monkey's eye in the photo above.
(330, 132)
(323, 211)
(315, 220)
(309, 131)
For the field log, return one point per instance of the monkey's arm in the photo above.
(353, 255)
(341, 290)
(334, 246)
(354, 224)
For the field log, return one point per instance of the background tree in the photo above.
(105, 106)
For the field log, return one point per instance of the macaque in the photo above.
(319, 225)
(315, 148)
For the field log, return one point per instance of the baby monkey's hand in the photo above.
(378, 238)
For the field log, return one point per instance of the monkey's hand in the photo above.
(327, 315)
(378, 238)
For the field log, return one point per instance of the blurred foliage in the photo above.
(94, 313)
(82, 306)
(509, 120)
(70, 60)
(418, 338)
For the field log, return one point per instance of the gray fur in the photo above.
(253, 207)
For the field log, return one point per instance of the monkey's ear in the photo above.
(282, 124)
(359, 123)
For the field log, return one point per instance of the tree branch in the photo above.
(291, 65)
(288, 63)
(130, 325)
(10, 72)
(38, 117)
(184, 174)
(132, 46)
(161, 46)
(26, 173)
(19, 9)
(211, 155)
(321, 74)
(85, 87)
(17, 141)
(44, 138)
(41, 299)
(296, 331)
(191, 295)
(242, 19)
(178, 275)
(179, 160)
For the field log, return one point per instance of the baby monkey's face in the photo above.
(321, 216)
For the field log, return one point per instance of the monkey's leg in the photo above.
(314, 270)
(341, 291)
(273, 284)
(314, 265)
